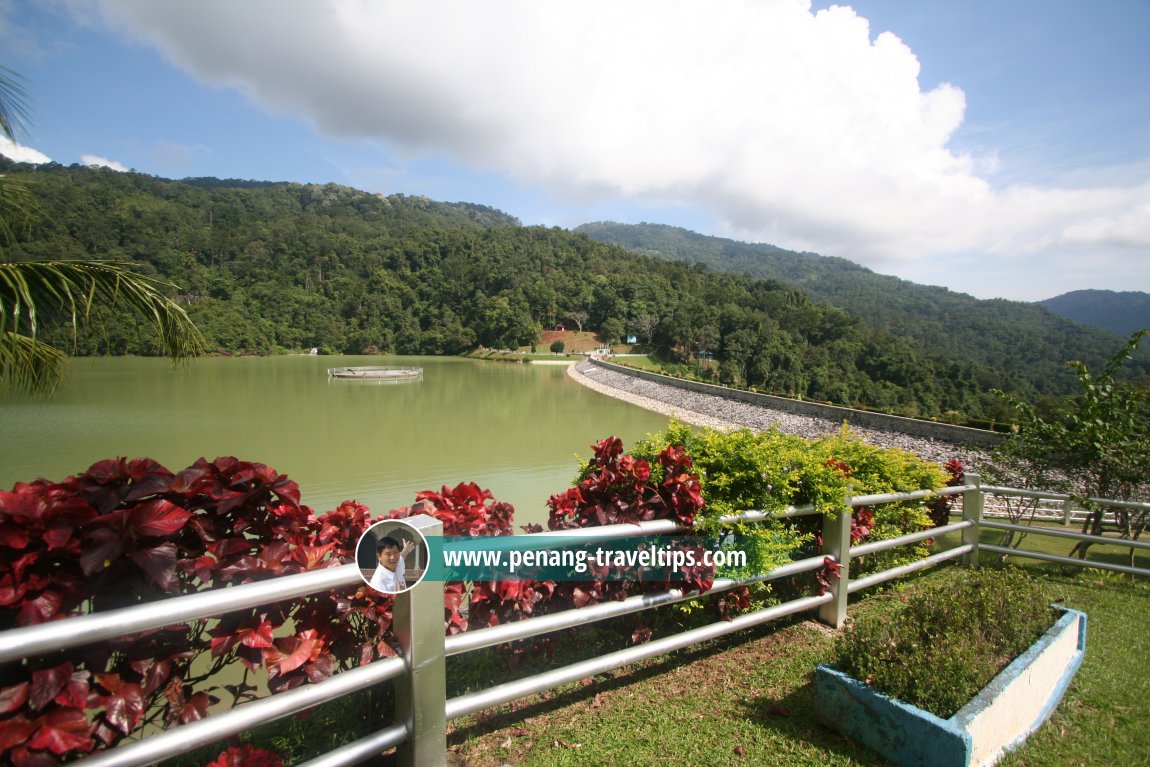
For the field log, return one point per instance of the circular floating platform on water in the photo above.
(377, 374)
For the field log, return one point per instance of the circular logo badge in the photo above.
(392, 556)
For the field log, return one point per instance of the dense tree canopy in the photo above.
(265, 267)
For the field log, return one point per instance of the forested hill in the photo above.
(1018, 340)
(268, 267)
(1122, 312)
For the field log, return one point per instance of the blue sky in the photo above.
(997, 148)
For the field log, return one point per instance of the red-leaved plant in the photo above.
(618, 489)
(130, 532)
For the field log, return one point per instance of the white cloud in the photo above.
(21, 153)
(101, 162)
(791, 127)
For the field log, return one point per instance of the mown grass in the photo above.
(749, 700)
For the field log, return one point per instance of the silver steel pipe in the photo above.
(187, 737)
(762, 516)
(359, 750)
(917, 495)
(903, 540)
(1065, 560)
(113, 624)
(477, 701)
(1020, 493)
(543, 624)
(1067, 534)
(897, 572)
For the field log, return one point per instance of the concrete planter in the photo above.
(1000, 717)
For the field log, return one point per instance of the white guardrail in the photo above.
(421, 704)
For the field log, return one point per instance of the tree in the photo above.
(27, 289)
(646, 325)
(1098, 442)
(578, 316)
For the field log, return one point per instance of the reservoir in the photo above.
(516, 430)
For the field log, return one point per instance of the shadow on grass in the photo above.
(793, 717)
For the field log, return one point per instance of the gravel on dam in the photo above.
(725, 414)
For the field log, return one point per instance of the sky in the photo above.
(1000, 149)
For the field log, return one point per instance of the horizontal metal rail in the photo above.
(193, 735)
(761, 516)
(903, 540)
(359, 750)
(114, 624)
(916, 495)
(858, 584)
(1096, 539)
(1020, 493)
(544, 624)
(1093, 564)
(477, 701)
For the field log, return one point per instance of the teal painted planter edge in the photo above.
(912, 737)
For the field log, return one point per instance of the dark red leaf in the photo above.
(124, 703)
(246, 755)
(44, 607)
(157, 517)
(14, 537)
(12, 698)
(75, 693)
(15, 731)
(295, 651)
(260, 636)
(148, 478)
(155, 673)
(62, 731)
(159, 562)
(196, 707)
(102, 547)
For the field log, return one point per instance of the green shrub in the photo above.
(557, 347)
(936, 647)
(770, 471)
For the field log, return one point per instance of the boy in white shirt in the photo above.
(388, 577)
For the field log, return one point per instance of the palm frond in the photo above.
(28, 365)
(16, 205)
(28, 288)
(13, 104)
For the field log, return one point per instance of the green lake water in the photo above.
(517, 430)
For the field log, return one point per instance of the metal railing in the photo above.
(422, 707)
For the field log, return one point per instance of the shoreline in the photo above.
(723, 414)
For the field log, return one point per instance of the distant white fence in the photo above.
(423, 709)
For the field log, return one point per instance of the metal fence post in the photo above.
(972, 505)
(421, 696)
(1067, 511)
(837, 544)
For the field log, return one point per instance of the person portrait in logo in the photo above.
(394, 554)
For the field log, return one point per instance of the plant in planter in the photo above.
(952, 674)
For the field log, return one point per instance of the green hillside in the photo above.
(1024, 345)
(1122, 312)
(270, 267)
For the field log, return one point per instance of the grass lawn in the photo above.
(749, 699)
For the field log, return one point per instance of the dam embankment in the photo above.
(722, 408)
